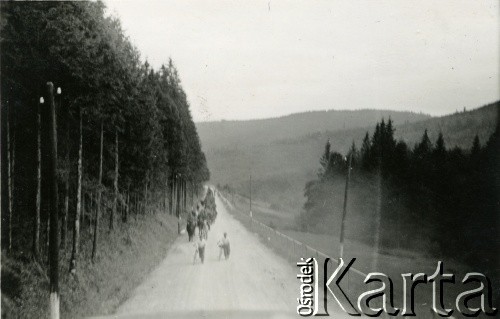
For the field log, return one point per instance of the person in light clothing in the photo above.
(200, 250)
(224, 246)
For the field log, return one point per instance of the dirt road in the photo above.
(253, 278)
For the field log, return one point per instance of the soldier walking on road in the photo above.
(200, 250)
(224, 247)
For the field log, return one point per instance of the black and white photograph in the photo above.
(250, 159)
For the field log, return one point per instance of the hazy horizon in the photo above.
(340, 110)
(244, 60)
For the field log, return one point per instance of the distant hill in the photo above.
(459, 130)
(282, 154)
(223, 134)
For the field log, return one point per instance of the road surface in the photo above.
(254, 278)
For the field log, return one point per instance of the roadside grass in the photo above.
(124, 258)
(391, 261)
(328, 244)
(265, 214)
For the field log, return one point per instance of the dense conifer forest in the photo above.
(126, 142)
(428, 198)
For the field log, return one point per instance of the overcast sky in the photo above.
(256, 59)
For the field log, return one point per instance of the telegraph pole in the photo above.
(250, 196)
(64, 228)
(51, 162)
(344, 210)
(36, 235)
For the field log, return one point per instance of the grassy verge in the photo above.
(329, 243)
(392, 262)
(125, 257)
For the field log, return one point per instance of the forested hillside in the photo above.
(458, 129)
(281, 167)
(417, 198)
(126, 142)
(227, 134)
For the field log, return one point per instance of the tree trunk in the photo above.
(185, 195)
(47, 235)
(174, 196)
(36, 231)
(64, 229)
(181, 196)
(178, 198)
(115, 183)
(76, 227)
(134, 198)
(192, 193)
(98, 203)
(146, 198)
(165, 200)
(136, 205)
(9, 178)
(51, 158)
(91, 211)
(171, 204)
(13, 188)
(127, 207)
(84, 210)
